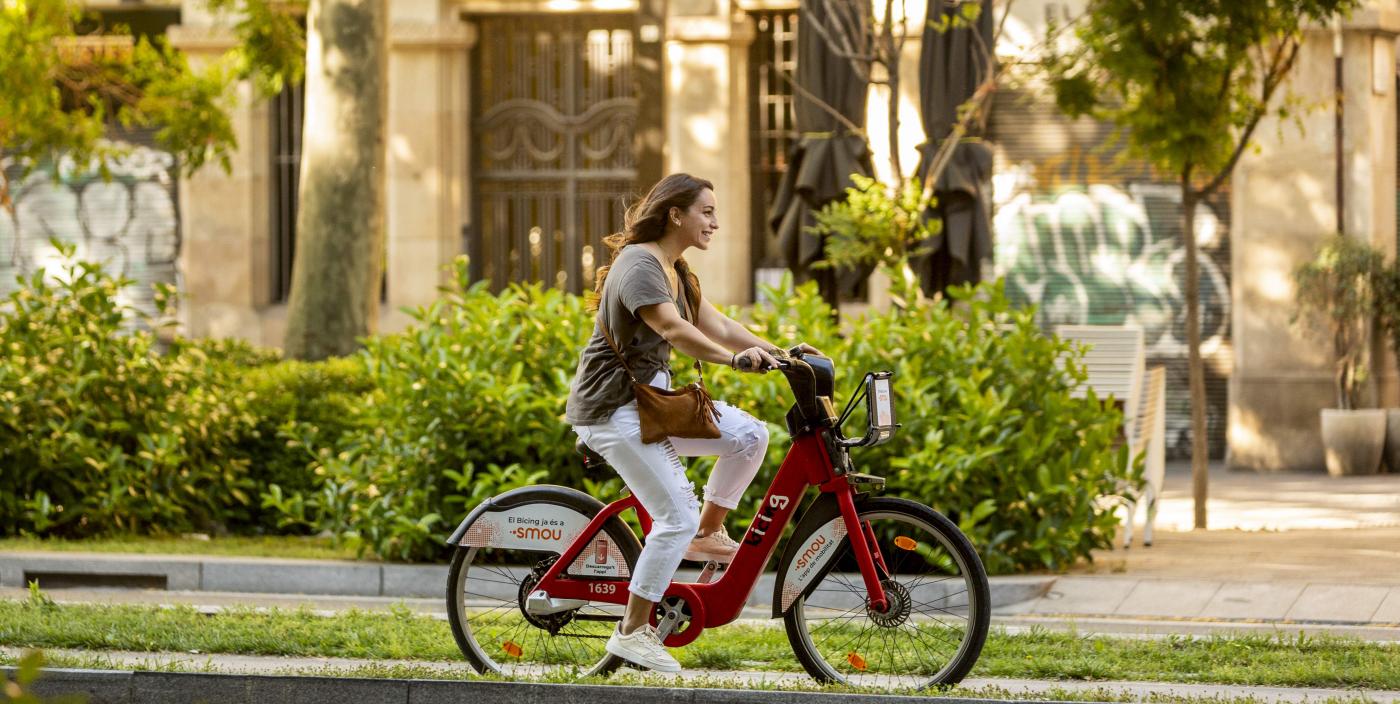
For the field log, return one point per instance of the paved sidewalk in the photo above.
(1281, 501)
(972, 687)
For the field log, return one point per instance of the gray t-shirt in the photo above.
(601, 385)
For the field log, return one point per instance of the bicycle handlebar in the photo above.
(746, 364)
(809, 392)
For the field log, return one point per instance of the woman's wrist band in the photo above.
(732, 358)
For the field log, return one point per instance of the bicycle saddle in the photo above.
(590, 457)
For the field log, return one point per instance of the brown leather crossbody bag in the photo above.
(688, 412)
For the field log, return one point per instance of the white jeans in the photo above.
(654, 474)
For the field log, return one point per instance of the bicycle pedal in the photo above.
(707, 574)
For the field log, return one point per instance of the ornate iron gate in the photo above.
(554, 110)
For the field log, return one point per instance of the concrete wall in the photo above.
(1284, 206)
(225, 223)
(707, 128)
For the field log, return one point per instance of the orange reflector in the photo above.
(856, 660)
(905, 542)
(511, 649)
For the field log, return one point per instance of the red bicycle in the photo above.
(873, 591)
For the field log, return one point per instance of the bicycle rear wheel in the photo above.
(939, 602)
(489, 580)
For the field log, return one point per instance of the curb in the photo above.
(141, 687)
(222, 574)
(321, 577)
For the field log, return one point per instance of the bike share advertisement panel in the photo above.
(540, 527)
(821, 547)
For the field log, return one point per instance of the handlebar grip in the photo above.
(744, 364)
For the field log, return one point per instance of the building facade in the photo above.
(518, 129)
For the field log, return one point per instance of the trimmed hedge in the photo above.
(397, 443)
(102, 431)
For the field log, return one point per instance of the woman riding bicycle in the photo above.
(645, 298)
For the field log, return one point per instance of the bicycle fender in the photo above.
(808, 556)
(571, 503)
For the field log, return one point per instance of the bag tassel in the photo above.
(706, 404)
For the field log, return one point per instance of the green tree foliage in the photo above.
(271, 47)
(1188, 82)
(60, 90)
(879, 226)
(58, 94)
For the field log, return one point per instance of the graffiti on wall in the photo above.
(129, 222)
(1110, 253)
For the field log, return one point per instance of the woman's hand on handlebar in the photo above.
(755, 359)
(805, 348)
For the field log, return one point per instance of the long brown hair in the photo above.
(646, 222)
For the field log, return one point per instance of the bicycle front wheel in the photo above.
(939, 602)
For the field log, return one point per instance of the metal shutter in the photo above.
(1094, 238)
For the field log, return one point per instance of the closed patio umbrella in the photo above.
(953, 63)
(825, 154)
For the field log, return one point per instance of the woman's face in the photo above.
(696, 225)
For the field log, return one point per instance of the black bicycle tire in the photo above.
(980, 622)
(622, 536)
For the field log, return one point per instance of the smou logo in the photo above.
(533, 533)
(812, 550)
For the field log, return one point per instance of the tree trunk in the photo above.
(1200, 461)
(897, 171)
(892, 76)
(340, 224)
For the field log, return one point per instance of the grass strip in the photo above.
(1291, 661)
(290, 547)
(100, 661)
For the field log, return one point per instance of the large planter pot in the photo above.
(1353, 440)
(1392, 439)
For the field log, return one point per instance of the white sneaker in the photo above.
(643, 648)
(716, 546)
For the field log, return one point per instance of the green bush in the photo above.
(471, 400)
(991, 434)
(297, 408)
(98, 431)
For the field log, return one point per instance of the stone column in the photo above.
(707, 124)
(427, 160)
(224, 221)
(1283, 207)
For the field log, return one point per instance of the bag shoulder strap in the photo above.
(603, 326)
(694, 306)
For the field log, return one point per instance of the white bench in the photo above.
(1116, 362)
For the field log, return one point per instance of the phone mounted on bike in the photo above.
(879, 410)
